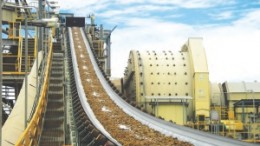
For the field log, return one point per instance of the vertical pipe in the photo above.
(45, 44)
(254, 113)
(40, 42)
(108, 42)
(26, 72)
(40, 32)
(254, 105)
(183, 108)
(122, 86)
(108, 71)
(39, 46)
(243, 112)
(101, 32)
(37, 63)
(1, 70)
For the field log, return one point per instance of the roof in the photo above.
(243, 87)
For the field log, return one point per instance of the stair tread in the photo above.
(53, 127)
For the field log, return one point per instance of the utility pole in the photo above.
(1, 71)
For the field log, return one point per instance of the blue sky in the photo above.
(230, 30)
(196, 12)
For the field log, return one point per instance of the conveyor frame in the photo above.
(183, 133)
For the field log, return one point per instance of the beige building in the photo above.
(243, 98)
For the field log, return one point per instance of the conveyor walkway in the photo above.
(53, 127)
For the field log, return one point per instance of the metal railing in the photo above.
(250, 132)
(31, 134)
(15, 67)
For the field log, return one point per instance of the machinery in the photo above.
(238, 109)
(175, 86)
(53, 97)
(100, 42)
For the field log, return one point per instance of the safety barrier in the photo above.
(32, 132)
(247, 132)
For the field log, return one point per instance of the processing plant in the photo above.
(175, 86)
(57, 88)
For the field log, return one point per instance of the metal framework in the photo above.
(194, 136)
(32, 132)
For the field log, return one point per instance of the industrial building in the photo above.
(57, 88)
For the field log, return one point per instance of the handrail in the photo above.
(31, 134)
(14, 72)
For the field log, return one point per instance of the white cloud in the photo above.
(232, 53)
(145, 34)
(129, 1)
(134, 10)
(174, 16)
(250, 19)
(73, 5)
(194, 3)
(232, 50)
(222, 15)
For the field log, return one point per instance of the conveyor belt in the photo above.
(87, 133)
(183, 133)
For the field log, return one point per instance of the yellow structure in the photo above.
(176, 87)
(243, 98)
(200, 77)
(171, 85)
(14, 58)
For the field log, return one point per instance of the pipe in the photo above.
(26, 72)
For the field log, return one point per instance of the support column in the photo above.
(26, 72)
(1, 71)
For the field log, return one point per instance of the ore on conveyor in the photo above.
(124, 128)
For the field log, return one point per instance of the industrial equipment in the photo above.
(67, 97)
(175, 86)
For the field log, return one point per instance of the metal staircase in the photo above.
(53, 133)
(31, 44)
